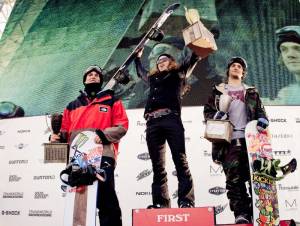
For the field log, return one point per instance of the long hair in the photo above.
(172, 66)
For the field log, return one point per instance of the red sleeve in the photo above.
(65, 126)
(119, 116)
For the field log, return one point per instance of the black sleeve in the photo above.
(140, 70)
(189, 61)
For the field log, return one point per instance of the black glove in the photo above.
(221, 115)
(122, 78)
(102, 136)
(156, 35)
(262, 124)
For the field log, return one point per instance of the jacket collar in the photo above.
(221, 87)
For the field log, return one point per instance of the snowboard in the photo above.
(80, 201)
(264, 192)
(153, 33)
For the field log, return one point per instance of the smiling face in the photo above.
(290, 53)
(163, 64)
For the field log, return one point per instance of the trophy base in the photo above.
(218, 130)
(56, 152)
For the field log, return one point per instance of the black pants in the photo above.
(107, 200)
(168, 128)
(236, 168)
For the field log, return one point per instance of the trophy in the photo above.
(196, 36)
(220, 130)
(224, 102)
(56, 152)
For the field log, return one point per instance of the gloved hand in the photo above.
(262, 124)
(123, 77)
(221, 115)
(102, 136)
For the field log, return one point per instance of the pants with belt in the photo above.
(159, 130)
(236, 169)
(107, 200)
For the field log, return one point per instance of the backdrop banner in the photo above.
(30, 189)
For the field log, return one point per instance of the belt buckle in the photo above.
(238, 142)
(156, 114)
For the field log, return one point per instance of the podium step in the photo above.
(204, 216)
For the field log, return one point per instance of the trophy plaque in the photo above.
(56, 152)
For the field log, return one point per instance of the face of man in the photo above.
(290, 53)
(163, 65)
(236, 71)
(92, 77)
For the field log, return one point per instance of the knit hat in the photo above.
(288, 34)
(96, 69)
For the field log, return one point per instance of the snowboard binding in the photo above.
(270, 168)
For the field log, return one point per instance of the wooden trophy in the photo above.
(219, 130)
(196, 36)
(56, 152)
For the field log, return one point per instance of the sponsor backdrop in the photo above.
(30, 190)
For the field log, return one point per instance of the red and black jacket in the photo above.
(104, 112)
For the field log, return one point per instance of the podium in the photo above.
(204, 216)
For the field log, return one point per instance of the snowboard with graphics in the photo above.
(154, 33)
(80, 201)
(264, 192)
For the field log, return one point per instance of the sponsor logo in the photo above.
(143, 193)
(207, 153)
(217, 190)
(187, 121)
(144, 156)
(297, 120)
(282, 152)
(139, 123)
(12, 162)
(11, 212)
(2, 132)
(103, 109)
(12, 195)
(40, 195)
(143, 174)
(40, 213)
(168, 218)
(23, 131)
(45, 177)
(21, 146)
(278, 120)
(2, 147)
(215, 170)
(174, 173)
(220, 208)
(290, 204)
(143, 139)
(13, 178)
(282, 136)
(288, 187)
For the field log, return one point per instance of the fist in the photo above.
(98, 140)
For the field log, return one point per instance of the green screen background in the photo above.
(47, 44)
